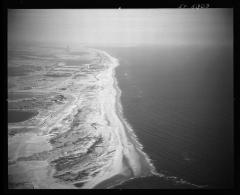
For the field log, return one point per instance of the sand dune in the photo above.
(82, 141)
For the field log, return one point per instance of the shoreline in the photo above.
(141, 166)
(86, 143)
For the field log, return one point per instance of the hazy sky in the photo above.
(121, 26)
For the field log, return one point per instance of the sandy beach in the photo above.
(129, 160)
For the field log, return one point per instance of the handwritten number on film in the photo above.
(195, 6)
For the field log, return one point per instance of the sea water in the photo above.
(179, 101)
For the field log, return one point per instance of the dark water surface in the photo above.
(15, 116)
(179, 101)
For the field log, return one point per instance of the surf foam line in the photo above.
(141, 148)
(129, 129)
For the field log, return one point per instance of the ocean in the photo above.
(179, 102)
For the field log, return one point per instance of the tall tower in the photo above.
(67, 49)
